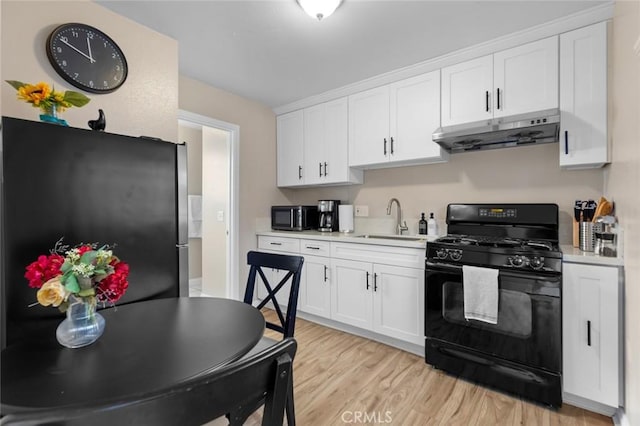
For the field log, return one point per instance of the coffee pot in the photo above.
(328, 215)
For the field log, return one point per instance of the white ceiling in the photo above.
(272, 52)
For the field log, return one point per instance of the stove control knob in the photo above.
(517, 261)
(455, 254)
(441, 253)
(536, 262)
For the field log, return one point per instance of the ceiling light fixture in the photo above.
(319, 9)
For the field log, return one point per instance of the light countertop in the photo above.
(575, 255)
(569, 253)
(410, 241)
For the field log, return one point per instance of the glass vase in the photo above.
(83, 324)
(50, 115)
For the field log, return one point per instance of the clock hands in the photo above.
(78, 50)
(89, 46)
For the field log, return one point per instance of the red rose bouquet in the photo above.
(84, 271)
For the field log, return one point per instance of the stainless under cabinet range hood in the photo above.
(524, 129)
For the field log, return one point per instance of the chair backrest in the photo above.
(259, 262)
(224, 391)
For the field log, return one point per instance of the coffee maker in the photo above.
(328, 215)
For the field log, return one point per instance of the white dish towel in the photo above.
(480, 287)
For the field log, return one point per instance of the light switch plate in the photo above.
(220, 216)
(362, 211)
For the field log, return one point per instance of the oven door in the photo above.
(529, 316)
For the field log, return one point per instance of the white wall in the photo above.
(147, 103)
(215, 196)
(623, 183)
(528, 174)
(257, 190)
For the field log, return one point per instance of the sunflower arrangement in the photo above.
(43, 96)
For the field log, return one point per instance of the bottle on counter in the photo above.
(422, 226)
(431, 225)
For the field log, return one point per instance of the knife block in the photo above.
(576, 233)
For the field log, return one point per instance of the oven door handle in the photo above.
(505, 272)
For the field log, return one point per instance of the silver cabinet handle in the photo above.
(325, 273)
(375, 282)
(299, 172)
(320, 169)
(325, 168)
(385, 146)
(392, 145)
(367, 280)
(312, 248)
(276, 244)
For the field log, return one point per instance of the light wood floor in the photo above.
(339, 375)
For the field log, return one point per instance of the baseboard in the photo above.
(400, 344)
(620, 418)
(587, 404)
(195, 282)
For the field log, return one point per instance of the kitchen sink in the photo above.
(392, 237)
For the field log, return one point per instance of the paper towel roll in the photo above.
(345, 217)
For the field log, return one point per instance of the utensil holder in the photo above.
(587, 236)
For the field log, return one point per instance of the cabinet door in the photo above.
(369, 127)
(399, 302)
(336, 136)
(315, 292)
(467, 91)
(591, 332)
(314, 143)
(289, 149)
(525, 78)
(583, 97)
(414, 116)
(351, 293)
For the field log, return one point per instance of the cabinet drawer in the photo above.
(291, 245)
(386, 255)
(315, 247)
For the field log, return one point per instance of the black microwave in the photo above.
(294, 218)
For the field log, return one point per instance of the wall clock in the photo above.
(87, 58)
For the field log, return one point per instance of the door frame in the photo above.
(231, 291)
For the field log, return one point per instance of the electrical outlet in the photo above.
(362, 211)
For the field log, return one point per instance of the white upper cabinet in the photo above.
(467, 91)
(514, 81)
(326, 144)
(369, 127)
(583, 97)
(392, 125)
(312, 146)
(289, 149)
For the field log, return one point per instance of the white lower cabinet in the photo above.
(591, 333)
(382, 298)
(315, 286)
(375, 288)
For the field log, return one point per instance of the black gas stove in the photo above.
(500, 252)
(521, 353)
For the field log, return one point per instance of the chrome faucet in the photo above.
(400, 227)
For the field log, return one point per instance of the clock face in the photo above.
(87, 58)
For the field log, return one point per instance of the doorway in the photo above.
(213, 252)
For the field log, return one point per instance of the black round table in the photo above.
(145, 346)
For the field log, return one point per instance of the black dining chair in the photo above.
(265, 375)
(292, 266)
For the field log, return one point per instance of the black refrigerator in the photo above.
(88, 186)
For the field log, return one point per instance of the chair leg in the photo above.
(291, 415)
